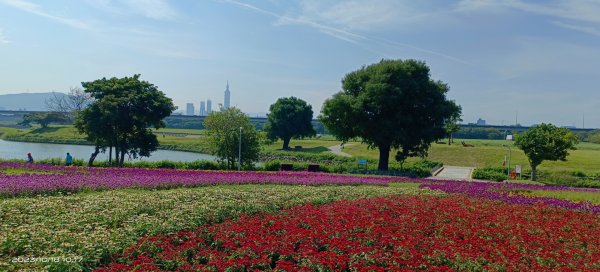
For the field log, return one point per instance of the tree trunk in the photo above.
(93, 157)
(533, 172)
(384, 157)
(286, 143)
(449, 139)
(122, 158)
(116, 156)
(110, 155)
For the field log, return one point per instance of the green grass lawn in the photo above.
(567, 195)
(308, 145)
(97, 225)
(491, 153)
(484, 153)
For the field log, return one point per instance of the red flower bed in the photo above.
(383, 234)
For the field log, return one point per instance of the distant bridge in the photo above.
(519, 128)
(259, 122)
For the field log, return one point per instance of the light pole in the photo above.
(509, 153)
(240, 151)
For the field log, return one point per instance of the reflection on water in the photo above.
(19, 150)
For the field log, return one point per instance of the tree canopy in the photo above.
(391, 104)
(123, 111)
(288, 118)
(44, 118)
(224, 131)
(545, 142)
(452, 127)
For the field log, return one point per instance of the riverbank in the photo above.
(69, 135)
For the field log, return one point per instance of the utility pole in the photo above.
(240, 152)
(509, 153)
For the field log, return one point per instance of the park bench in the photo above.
(286, 167)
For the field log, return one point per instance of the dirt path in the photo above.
(455, 173)
(337, 149)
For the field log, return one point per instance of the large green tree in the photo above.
(288, 118)
(123, 111)
(545, 142)
(224, 131)
(452, 127)
(390, 104)
(44, 118)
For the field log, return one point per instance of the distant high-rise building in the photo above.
(208, 106)
(227, 96)
(189, 109)
(202, 108)
(480, 122)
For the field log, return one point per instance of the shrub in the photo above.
(203, 165)
(490, 173)
(418, 170)
(274, 165)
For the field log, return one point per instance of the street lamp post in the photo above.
(509, 153)
(240, 151)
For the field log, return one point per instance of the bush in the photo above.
(586, 183)
(418, 170)
(427, 164)
(203, 165)
(274, 165)
(490, 173)
(579, 174)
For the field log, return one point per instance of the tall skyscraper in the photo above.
(227, 96)
(208, 106)
(189, 109)
(202, 108)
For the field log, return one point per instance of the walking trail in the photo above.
(454, 173)
(337, 149)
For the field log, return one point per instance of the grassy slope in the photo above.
(491, 153)
(96, 225)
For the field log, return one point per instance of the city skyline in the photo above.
(498, 57)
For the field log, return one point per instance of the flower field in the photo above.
(516, 193)
(36, 179)
(186, 220)
(97, 225)
(382, 234)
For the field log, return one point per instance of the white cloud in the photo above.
(580, 10)
(37, 10)
(540, 57)
(357, 15)
(326, 24)
(155, 9)
(3, 39)
(584, 29)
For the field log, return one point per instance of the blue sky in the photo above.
(537, 58)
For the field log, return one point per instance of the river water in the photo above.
(19, 150)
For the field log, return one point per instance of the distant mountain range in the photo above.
(25, 101)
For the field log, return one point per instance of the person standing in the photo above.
(69, 159)
(29, 158)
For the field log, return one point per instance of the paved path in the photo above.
(455, 173)
(337, 149)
